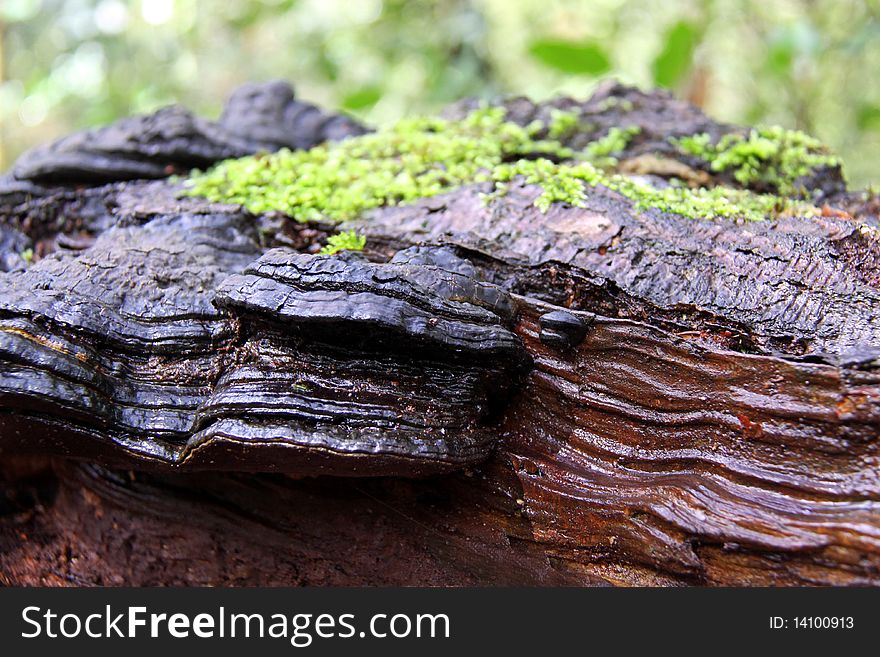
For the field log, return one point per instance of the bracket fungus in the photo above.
(148, 348)
(256, 117)
(106, 353)
(353, 367)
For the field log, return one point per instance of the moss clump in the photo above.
(615, 103)
(602, 152)
(560, 183)
(345, 241)
(769, 157)
(563, 124)
(567, 183)
(413, 159)
(719, 201)
(615, 141)
(423, 157)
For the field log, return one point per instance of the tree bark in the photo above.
(719, 424)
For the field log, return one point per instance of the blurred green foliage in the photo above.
(809, 65)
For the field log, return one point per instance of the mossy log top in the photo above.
(677, 378)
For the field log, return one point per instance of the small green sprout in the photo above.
(345, 241)
(27, 255)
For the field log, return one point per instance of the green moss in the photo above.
(413, 159)
(615, 102)
(567, 183)
(767, 157)
(603, 150)
(560, 183)
(563, 124)
(27, 255)
(345, 241)
(423, 157)
(719, 201)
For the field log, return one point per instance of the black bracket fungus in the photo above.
(428, 298)
(356, 368)
(562, 330)
(107, 353)
(148, 350)
(268, 114)
(151, 146)
(257, 117)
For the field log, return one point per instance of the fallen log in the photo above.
(639, 384)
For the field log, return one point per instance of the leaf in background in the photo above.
(570, 56)
(800, 40)
(362, 98)
(674, 60)
(781, 51)
(780, 56)
(326, 64)
(868, 117)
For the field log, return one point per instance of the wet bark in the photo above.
(718, 422)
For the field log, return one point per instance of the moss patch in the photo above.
(568, 183)
(771, 157)
(423, 157)
(413, 159)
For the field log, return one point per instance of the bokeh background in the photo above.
(807, 64)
